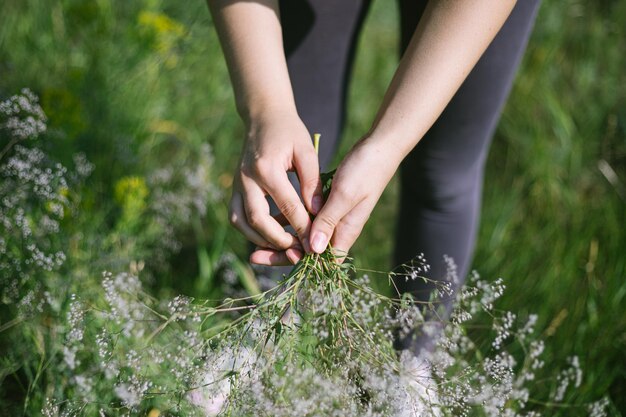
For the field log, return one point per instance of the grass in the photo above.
(552, 224)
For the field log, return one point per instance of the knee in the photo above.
(444, 191)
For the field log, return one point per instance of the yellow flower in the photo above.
(161, 24)
(131, 193)
(165, 31)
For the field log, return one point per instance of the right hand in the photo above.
(274, 145)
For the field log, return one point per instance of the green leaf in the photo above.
(327, 181)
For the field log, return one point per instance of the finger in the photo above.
(338, 205)
(307, 168)
(349, 229)
(258, 217)
(239, 221)
(289, 204)
(270, 257)
(294, 255)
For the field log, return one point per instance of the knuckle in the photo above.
(288, 208)
(254, 219)
(343, 193)
(282, 243)
(350, 229)
(300, 229)
(328, 222)
(261, 167)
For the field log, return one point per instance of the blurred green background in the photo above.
(140, 86)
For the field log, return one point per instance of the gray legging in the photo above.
(441, 179)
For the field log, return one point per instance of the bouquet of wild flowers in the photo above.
(320, 343)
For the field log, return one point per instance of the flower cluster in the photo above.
(182, 192)
(318, 344)
(23, 116)
(34, 200)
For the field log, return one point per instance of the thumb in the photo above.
(327, 219)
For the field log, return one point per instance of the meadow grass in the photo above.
(120, 87)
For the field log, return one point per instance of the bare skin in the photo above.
(277, 141)
(449, 39)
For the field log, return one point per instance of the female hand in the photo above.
(276, 144)
(358, 183)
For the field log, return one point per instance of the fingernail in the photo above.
(316, 204)
(319, 242)
(294, 256)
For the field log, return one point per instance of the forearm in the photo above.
(276, 139)
(251, 38)
(449, 40)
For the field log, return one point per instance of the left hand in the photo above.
(358, 184)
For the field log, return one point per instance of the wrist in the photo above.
(388, 145)
(378, 156)
(258, 111)
(274, 124)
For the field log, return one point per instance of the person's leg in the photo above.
(441, 178)
(319, 38)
